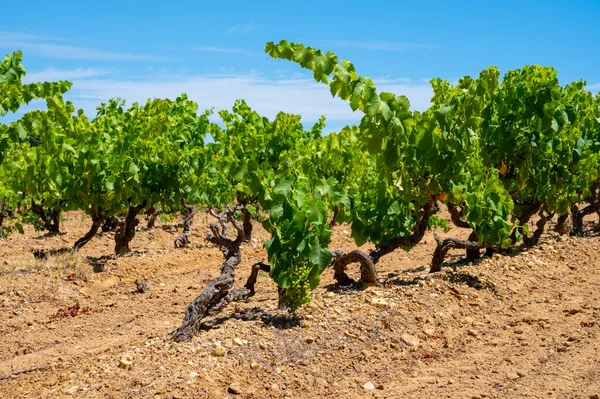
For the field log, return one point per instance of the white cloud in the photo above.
(299, 96)
(379, 45)
(53, 75)
(247, 28)
(37, 45)
(229, 50)
(594, 87)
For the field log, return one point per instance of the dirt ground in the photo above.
(520, 326)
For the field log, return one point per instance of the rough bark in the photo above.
(456, 216)
(152, 219)
(577, 216)
(218, 293)
(528, 211)
(368, 273)
(88, 236)
(540, 226)
(593, 206)
(247, 224)
(97, 220)
(51, 219)
(368, 261)
(126, 229)
(336, 212)
(110, 224)
(420, 229)
(1, 220)
(184, 238)
(472, 253)
(443, 246)
(561, 224)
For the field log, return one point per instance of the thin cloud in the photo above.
(268, 97)
(388, 80)
(594, 87)
(379, 45)
(36, 45)
(243, 29)
(52, 75)
(227, 50)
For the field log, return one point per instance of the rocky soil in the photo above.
(76, 326)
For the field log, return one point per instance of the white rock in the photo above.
(369, 386)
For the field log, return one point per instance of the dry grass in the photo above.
(54, 269)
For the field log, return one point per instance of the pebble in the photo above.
(410, 340)
(193, 374)
(430, 332)
(254, 366)
(235, 388)
(238, 342)
(512, 375)
(72, 390)
(126, 363)
(309, 340)
(379, 302)
(369, 386)
(219, 351)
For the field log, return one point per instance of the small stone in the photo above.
(410, 340)
(235, 388)
(72, 390)
(473, 333)
(512, 375)
(274, 387)
(309, 340)
(254, 366)
(380, 387)
(262, 346)
(219, 351)
(369, 386)
(430, 332)
(238, 342)
(193, 374)
(141, 286)
(126, 363)
(379, 302)
(595, 396)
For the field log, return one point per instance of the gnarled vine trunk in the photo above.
(561, 224)
(247, 224)
(51, 218)
(184, 238)
(443, 246)
(126, 229)
(540, 226)
(152, 218)
(368, 261)
(97, 219)
(110, 224)
(219, 292)
(577, 216)
(456, 215)
(593, 206)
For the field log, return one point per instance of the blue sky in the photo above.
(213, 50)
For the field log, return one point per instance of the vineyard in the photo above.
(430, 239)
